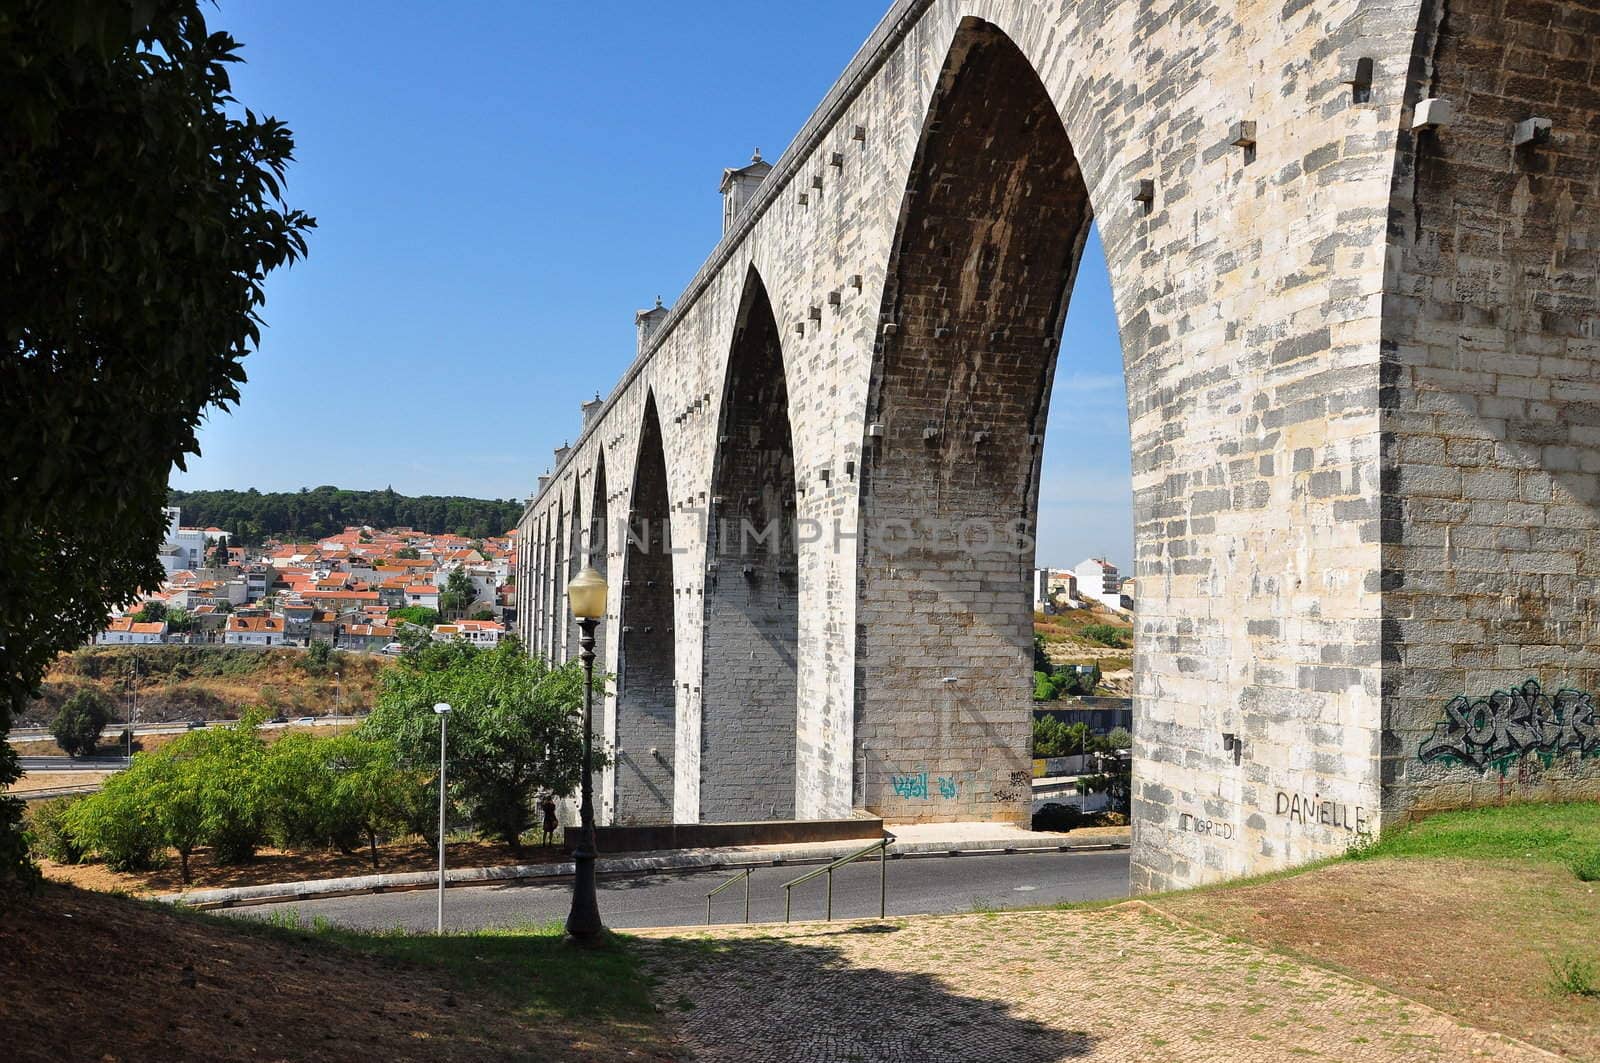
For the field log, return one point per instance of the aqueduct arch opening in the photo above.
(646, 713)
(576, 533)
(994, 219)
(599, 549)
(752, 599)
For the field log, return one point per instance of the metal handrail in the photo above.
(745, 874)
(881, 847)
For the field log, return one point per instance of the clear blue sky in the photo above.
(498, 187)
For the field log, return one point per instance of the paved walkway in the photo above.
(1031, 987)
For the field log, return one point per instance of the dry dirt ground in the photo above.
(277, 865)
(55, 780)
(1121, 984)
(85, 976)
(1474, 938)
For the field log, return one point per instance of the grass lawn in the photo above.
(1477, 913)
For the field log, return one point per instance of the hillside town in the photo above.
(359, 590)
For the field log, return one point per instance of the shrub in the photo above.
(1057, 817)
(117, 824)
(1573, 976)
(1586, 866)
(77, 726)
(48, 833)
(1105, 635)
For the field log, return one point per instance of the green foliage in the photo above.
(48, 833)
(151, 613)
(457, 593)
(140, 217)
(1065, 681)
(318, 658)
(1105, 635)
(1118, 738)
(179, 620)
(252, 516)
(482, 614)
(1586, 866)
(219, 555)
(1057, 738)
(515, 730)
(408, 553)
(77, 726)
(420, 615)
(117, 824)
(1573, 976)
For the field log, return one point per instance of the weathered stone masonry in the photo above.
(1362, 379)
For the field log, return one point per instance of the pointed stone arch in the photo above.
(577, 536)
(646, 697)
(752, 602)
(991, 228)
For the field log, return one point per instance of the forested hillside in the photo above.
(310, 513)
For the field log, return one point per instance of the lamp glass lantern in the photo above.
(586, 595)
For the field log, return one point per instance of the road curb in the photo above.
(320, 889)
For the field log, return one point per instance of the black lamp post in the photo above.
(587, 596)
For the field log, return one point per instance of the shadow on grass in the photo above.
(802, 998)
(531, 967)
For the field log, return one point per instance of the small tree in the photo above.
(77, 726)
(179, 619)
(317, 657)
(371, 787)
(219, 554)
(516, 729)
(458, 593)
(151, 613)
(118, 824)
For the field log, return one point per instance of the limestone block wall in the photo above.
(1491, 443)
(1325, 322)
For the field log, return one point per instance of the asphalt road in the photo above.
(916, 885)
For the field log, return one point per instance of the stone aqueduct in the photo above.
(1357, 292)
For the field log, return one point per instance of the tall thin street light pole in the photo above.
(586, 595)
(442, 709)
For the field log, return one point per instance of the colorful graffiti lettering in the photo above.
(1497, 730)
(914, 785)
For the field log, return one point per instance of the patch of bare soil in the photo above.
(1475, 939)
(86, 976)
(278, 865)
(55, 780)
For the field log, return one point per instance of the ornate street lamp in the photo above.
(586, 595)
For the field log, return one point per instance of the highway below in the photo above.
(916, 886)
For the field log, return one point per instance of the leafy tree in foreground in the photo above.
(77, 726)
(140, 215)
(516, 729)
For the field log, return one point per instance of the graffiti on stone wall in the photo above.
(915, 785)
(1315, 810)
(1497, 731)
(1216, 827)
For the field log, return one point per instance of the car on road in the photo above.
(195, 725)
(280, 718)
(307, 719)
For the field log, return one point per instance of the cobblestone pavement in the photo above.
(1030, 987)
